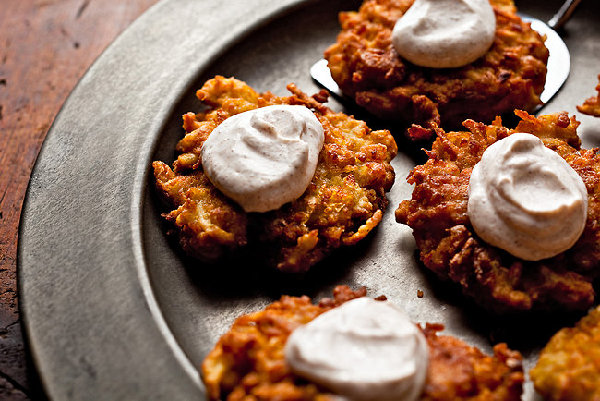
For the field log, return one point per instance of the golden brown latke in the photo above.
(366, 66)
(592, 105)
(448, 245)
(248, 361)
(343, 203)
(568, 368)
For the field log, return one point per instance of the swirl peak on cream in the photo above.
(445, 33)
(264, 158)
(526, 199)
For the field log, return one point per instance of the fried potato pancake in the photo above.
(449, 246)
(248, 361)
(364, 63)
(592, 105)
(568, 368)
(343, 203)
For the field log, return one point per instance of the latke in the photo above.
(343, 203)
(248, 361)
(568, 368)
(592, 105)
(367, 68)
(448, 245)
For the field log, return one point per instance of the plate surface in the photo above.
(112, 308)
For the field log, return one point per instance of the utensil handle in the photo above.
(563, 14)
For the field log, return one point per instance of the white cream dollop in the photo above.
(264, 158)
(364, 350)
(526, 199)
(445, 33)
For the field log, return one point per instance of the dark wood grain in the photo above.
(45, 48)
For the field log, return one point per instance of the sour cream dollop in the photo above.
(526, 199)
(445, 33)
(364, 350)
(264, 158)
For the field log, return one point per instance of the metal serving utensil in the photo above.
(559, 59)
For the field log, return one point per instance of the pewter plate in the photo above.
(112, 308)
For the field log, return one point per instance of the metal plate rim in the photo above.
(68, 369)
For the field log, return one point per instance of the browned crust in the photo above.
(248, 361)
(448, 245)
(568, 368)
(366, 66)
(592, 105)
(343, 203)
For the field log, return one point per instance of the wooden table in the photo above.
(45, 48)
